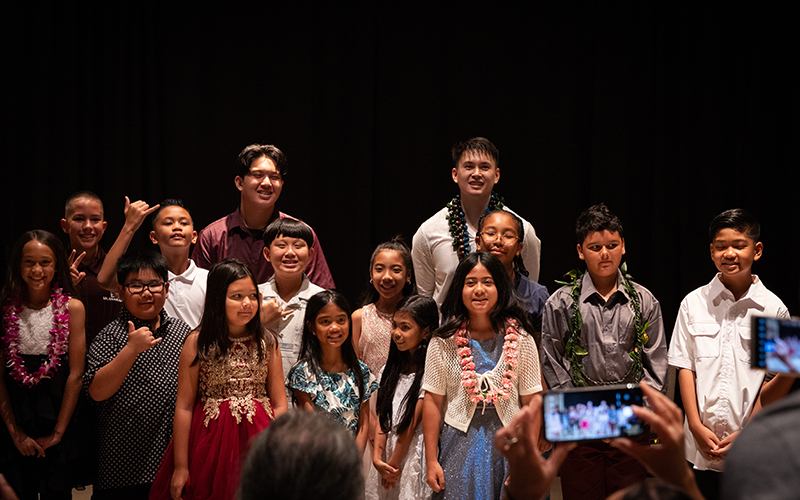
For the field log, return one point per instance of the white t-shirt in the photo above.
(187, 294)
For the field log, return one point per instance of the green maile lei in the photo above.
(574, 351)
(458, 222)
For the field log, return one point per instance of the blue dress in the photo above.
(472, 467)
(334, 393)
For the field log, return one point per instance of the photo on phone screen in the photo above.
(592, 413)
(776, 345)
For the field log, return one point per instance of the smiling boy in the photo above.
(85, 225)
(132, 374)
(288, 247)
(608, 346)
(711, 346)
(259, 179)
(443, 240)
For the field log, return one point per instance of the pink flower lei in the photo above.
(56, 349)
(469, 379)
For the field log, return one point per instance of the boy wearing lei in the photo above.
(442, 241)
(601, 329)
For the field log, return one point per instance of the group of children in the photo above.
(194, 363)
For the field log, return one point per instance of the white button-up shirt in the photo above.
(712, 338)
(187, 294)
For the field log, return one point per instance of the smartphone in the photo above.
(776, 345)
(592, 413)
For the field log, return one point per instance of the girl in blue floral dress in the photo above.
(328, 376)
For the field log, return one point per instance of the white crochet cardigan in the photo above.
(443, 377)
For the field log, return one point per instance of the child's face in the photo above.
(389, 274)
(146, 305)
(406, 333)
(38, 266)
(85, 225)
(602, 251)
(241, 305)
(173, 229)
(289, 256)
(476, 174)
(331, 326)
(479, 293)
(500, 237)
(262, 186)
(734, 253)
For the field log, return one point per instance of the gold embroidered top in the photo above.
(238, 378)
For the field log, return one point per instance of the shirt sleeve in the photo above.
(101, 352)
(654, 361)
(201, 255)
(531, 252)
(555, 321)
(424, 273)
(435, 378)
(318, 271)
(681, 347)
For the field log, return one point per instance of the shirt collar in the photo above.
(96, 264)
(588, 289)
(237, 222)
(188, 276)
(138, 323)
(754, 294)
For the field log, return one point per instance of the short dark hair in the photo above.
(69, 206)
(736, 218)
(290, 228)
(255, 151)
(597, 218)
(302, 456)
(169, 202)
(479, 145)
(133, 262)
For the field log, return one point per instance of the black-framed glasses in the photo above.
(153, 287)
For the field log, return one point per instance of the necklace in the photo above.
(469, 379)
(574, 351)
(57, 347)
(458, 222)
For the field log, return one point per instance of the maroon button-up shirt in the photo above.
(229, 237)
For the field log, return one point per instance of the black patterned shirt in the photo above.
(134, 425)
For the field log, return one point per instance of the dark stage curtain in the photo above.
(668, 113)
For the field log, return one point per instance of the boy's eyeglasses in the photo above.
(491, 236)
(136, 287)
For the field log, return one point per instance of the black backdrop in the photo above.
(668, 114)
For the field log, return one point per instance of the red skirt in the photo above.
(216, 453)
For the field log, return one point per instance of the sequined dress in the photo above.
(232, 408)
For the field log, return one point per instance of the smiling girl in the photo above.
(41, 363)
(230, 387)
(329, 376)
(481, 366)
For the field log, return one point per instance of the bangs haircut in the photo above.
(290, 228)
(738, 219)
(509, 305)
(253, 152)
(213, 340)
(69, 206)
(480, 145)
(134, 262)
(597, 218)
(14, 285)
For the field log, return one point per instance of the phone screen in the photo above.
(776, 345)
(592, 413)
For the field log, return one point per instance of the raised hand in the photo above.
(142, 339)
(271, 310)
(77, 276)
(136, 212)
